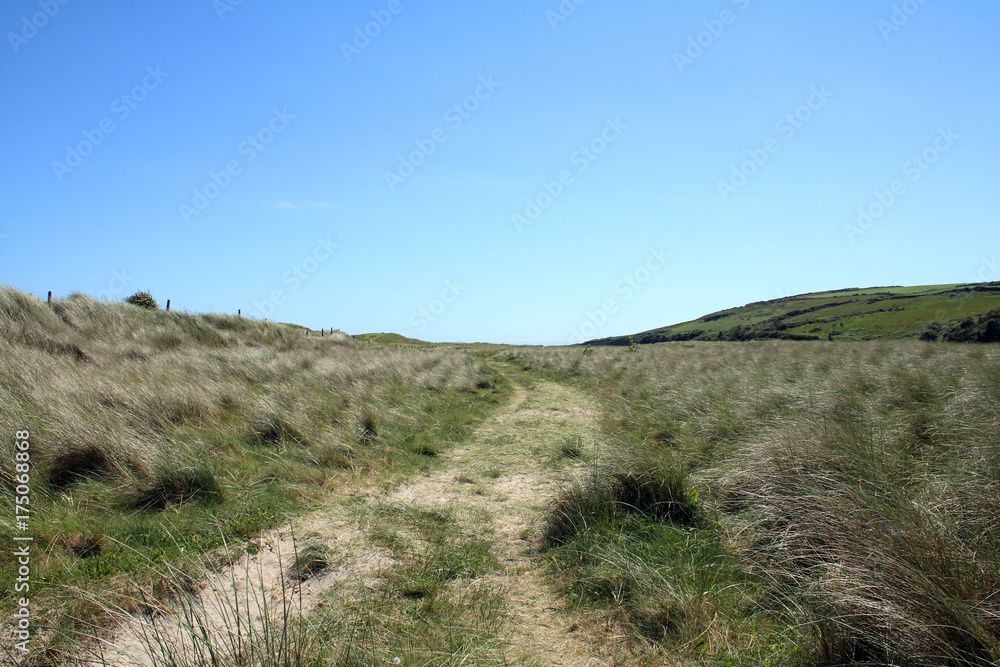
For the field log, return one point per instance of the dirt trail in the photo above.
(514, 458)
(230, 602)
(521, 443)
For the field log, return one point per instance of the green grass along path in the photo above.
(387, 542)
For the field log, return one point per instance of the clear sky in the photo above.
(526, 171)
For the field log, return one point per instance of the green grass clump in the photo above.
(571, 448)
(451, 626)
(274, 430)
(675, 587)
(312, 557)
(657, 492)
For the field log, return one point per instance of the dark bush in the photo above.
(143, 300)
(983, 329)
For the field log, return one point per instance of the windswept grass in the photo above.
(845, 501)
(156, 435)
(762, 503)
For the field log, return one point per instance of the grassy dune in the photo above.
(759, 503)
(784, 503)
(157, 437)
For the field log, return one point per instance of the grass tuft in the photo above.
(274, 430)
(311, 558)
(368, 422)
(178, 486)
(658, 493)
(73, 462)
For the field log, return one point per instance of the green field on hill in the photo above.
(959, 312)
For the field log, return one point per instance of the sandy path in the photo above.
(519, 449)
(230, 603)
(522, 443)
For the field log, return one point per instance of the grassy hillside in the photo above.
(879, 313)
(158, 436)
(390, 339)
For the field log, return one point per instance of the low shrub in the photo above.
(143, 300)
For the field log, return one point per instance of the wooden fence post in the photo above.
(168, 305)
(50, 297)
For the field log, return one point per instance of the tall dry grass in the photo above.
(127, 386)
(153, 430)
(855, 486)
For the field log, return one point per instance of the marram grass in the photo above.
(847, 496)
(158, 435)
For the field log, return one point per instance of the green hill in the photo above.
(387, 339)
(963, 312)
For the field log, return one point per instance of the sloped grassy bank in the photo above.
(159, 436)
(782, 503)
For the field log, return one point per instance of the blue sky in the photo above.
(527, 171)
